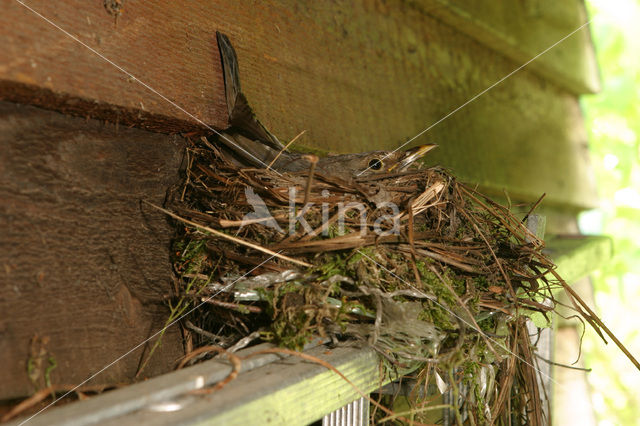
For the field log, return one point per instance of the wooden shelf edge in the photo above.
(281, 390)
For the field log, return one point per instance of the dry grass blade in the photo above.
(594, 320)
(285, 148)
(230, 238)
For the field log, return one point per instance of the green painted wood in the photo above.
(305, 393)
(521, 30)
(578, 256)
(289, 392)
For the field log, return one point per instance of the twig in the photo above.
(558, 364)
(593, 318)
(42, 394)
(313, 159)
(230, 238)
(284, 149)
(235, 362)
(201, 332)
(445, 259)
(536, 204)
(234, 306)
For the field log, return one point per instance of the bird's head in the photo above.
(374, 162)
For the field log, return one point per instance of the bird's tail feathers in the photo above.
(241, 115)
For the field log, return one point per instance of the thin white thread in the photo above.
(485, 91)
(146, 340)
(463, 320)
(124, 71)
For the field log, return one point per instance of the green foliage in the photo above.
(613, 121)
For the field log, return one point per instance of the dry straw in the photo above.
(436, 277)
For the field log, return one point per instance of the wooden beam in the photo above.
(523, 30)
(85, 267)
(84, 59)
(356, 75)
(260, 394)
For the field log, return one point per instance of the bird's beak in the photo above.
(412, 155)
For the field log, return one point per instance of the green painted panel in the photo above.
(578, 256)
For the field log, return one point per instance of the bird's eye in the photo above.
(375, 164)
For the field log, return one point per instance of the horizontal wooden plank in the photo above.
(579, 255)
(274, 389)
(304, 394)
(356, 75)
(523, 30)
(154, 42)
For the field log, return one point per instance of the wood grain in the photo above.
(356, 75)
(154, 42)
(84, 264)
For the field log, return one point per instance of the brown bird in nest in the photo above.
(249, 143)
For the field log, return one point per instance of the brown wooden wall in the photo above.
(355, 75)
(85, 265)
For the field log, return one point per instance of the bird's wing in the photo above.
(241, 116)
(246, 152)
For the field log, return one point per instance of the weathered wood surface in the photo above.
(261, 394)
(521, 30)
(83, 263)
(356, 75)
(153, 41)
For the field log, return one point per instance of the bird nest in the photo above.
(433, 275)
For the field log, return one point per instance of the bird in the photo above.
(249, 143)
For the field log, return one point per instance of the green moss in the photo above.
(292, 330)
(438, 315)
(481, 283)
(332, 265)
(190, 255)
